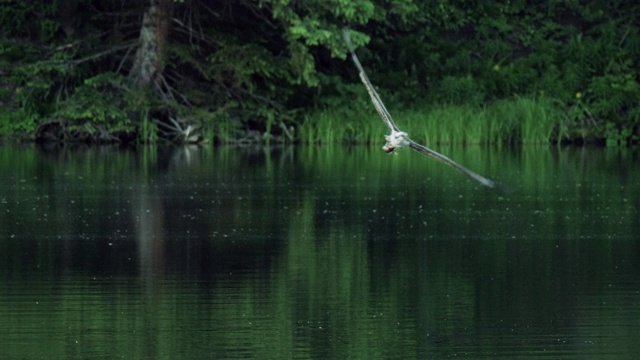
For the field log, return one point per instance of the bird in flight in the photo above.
(399, 139)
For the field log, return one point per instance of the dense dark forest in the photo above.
(194, 70)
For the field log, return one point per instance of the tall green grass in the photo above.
(358, 124)
(148, 130)
(529, 120)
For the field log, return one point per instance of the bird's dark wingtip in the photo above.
(503, 188)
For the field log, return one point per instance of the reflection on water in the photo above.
(318, 253)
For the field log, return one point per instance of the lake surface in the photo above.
(325, 253)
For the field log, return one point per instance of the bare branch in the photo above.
(106, 52)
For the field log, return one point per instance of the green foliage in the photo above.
(17, 123)
(254, 64)
(39, 85)
(459, 90)
(237, 64)
(101, 100)
(36, 87)
(456, 54)
(614, 92)
(29, 19)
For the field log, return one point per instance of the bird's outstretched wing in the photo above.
(375, 98)
(386, 116)
(437, 156)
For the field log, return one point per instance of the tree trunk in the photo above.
(148, 67)
(149, 60)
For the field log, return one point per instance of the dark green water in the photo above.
(326, 253)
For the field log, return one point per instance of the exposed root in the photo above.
(179, 130)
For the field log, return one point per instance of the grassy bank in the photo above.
(352, 119)
(520, 120)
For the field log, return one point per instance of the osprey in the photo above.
(399, 139)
